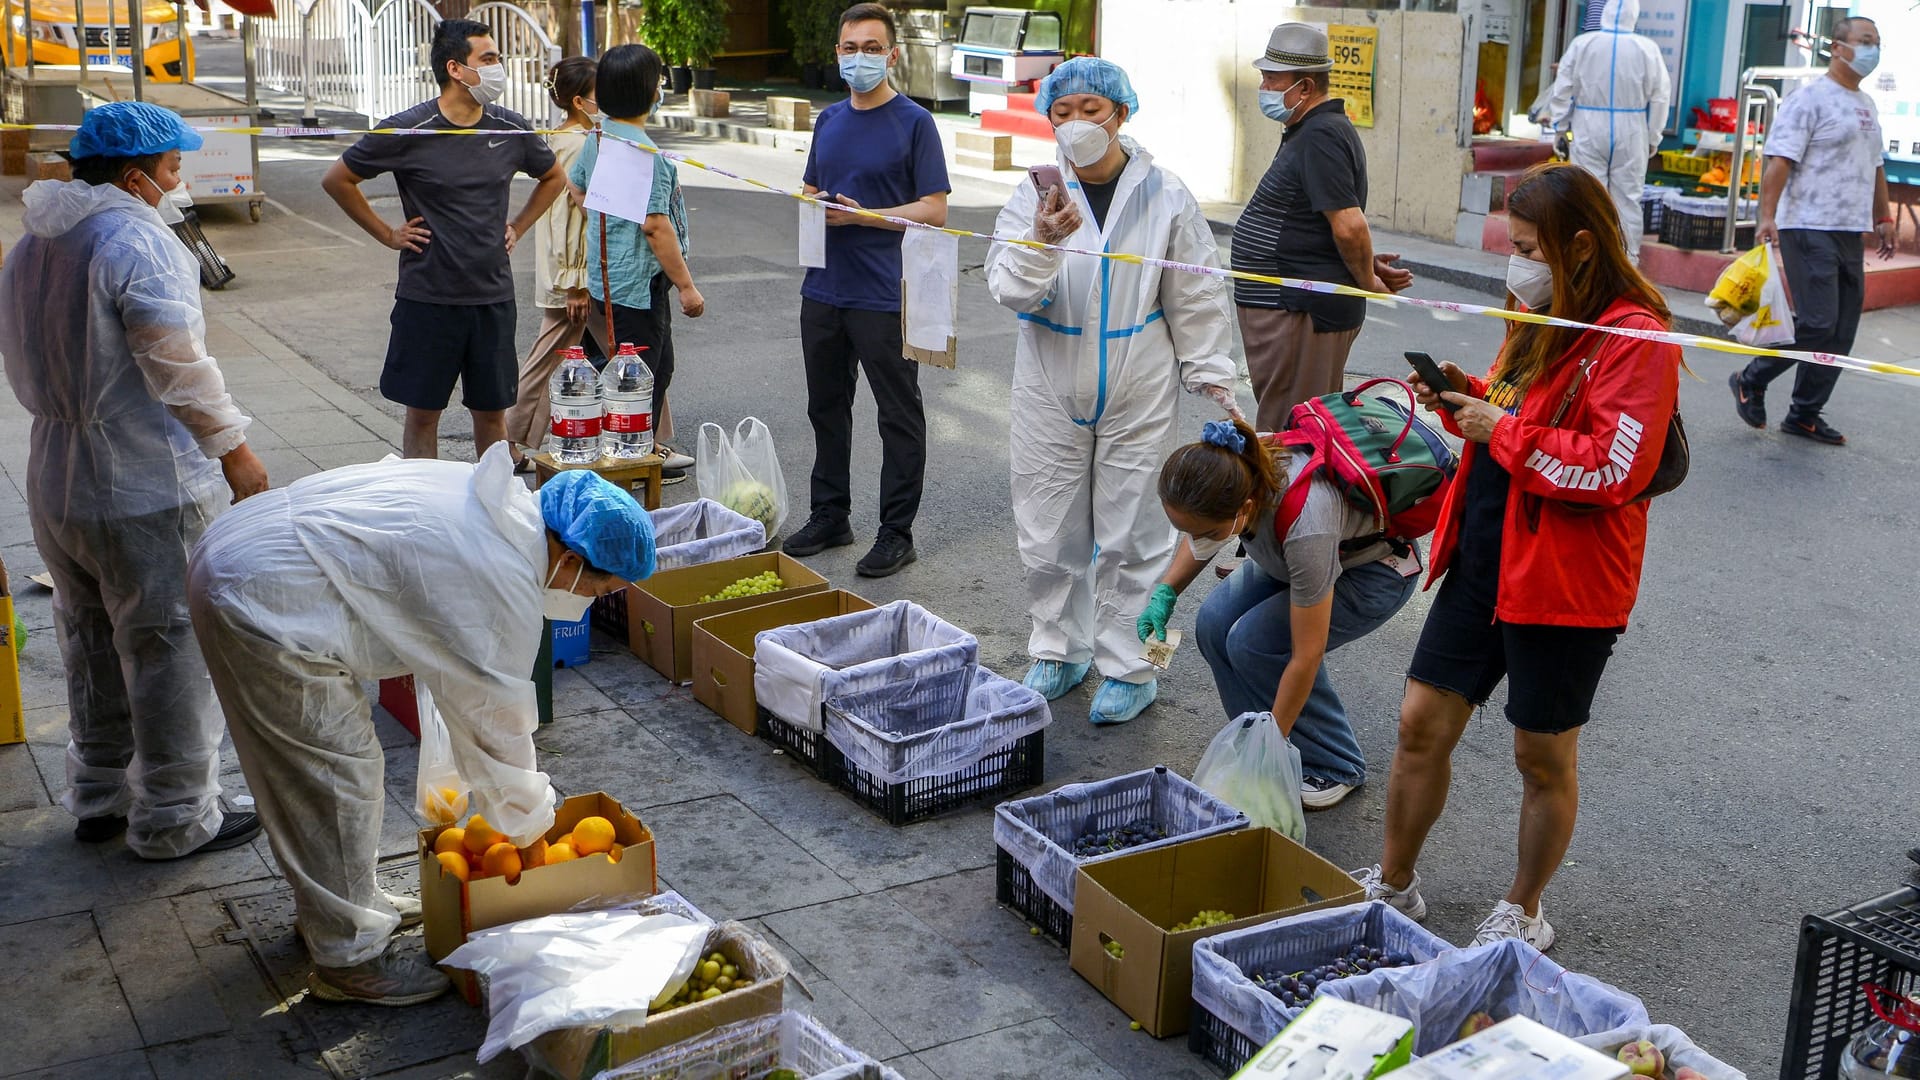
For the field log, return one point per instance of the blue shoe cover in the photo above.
(1118, 702)
(1054, 678)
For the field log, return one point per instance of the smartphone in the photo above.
(1430, 373)
(1046, 177)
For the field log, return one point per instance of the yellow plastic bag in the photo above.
(1737, 293)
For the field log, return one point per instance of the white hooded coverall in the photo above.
(1613, 91)
(1104, 348)
(362, 573)
(101, 327)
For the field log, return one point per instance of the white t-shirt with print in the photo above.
(1832, 134)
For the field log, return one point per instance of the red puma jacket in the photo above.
(1567, 569)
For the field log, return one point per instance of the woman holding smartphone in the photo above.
(1541, 537)
(1105, 347)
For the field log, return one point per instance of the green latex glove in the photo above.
(1153, 621)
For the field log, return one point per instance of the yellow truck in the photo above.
(63, 31)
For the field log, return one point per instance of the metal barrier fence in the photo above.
(374, 61)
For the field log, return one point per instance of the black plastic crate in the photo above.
(1015, 768)
(800, 744)
(1014, 887)
(1213, 1039)
(610, 613)
(1874, 942)
(1699, 232)
(1652, 213)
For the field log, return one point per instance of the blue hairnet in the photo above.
(1087, 75)
(599, 522)
(125, 129)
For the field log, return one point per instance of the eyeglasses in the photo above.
(847, 48)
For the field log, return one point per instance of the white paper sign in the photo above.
(622, 181)
(813, 235)
(930, 264)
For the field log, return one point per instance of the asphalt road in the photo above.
(1751, 757)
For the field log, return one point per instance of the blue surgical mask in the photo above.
(1274, 104)
(863, 72)
(1865, 58)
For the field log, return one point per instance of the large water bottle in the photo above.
(574, 401)
(628, 386)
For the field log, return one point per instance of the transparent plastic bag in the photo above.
(1737, 291)
(702, 531)
(1771, 322)
(797, 669)
(440, 795)
(1257, 771)
(742, 473)
(1674, 1046)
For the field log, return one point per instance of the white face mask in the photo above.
(1864, 59)
(564, 605)
(493, 83)
(1530, 281)
(1205, 549)
(172, 203)
(1083, 142)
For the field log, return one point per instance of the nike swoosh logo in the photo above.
(495, 143)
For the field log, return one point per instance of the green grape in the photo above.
(755, 585)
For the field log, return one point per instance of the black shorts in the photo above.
(433, 345)
(1552, 672)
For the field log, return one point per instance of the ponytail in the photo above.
(1213, 478)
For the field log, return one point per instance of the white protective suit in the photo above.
(1104, 349)
(362, 573)
(104, 341)
(1613, 92)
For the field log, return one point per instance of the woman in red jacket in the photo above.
(1540, 539)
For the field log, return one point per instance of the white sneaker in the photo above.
(1511, 921)
(1407, 901)
(407, 907)
(674, 459)
(1319, 794)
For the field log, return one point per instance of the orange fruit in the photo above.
(453, 839)
(534, 854)
(592, 835)
(567, 840)
(614, 852)
(502, 859)
(559, 853)
(453, 862)
(480, 836)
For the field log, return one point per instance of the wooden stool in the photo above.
(638, 475)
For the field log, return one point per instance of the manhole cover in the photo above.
(355, 1040)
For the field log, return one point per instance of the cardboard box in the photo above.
(452, 909)
(723, 650)
(1515, 1049)
(789, 114)
(1334, 1040)
(585, 1052)
(13, 715)
(661, 610)
(1132, 900)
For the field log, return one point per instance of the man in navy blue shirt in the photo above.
(880, 151)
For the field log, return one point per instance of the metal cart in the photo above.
(224, 170)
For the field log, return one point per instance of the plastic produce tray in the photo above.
(1233, 1017)
(1877, 941)
(1034, 836)
(787, 1040)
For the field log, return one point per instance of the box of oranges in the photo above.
(471, 878)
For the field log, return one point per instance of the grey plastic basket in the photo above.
(753, 1048)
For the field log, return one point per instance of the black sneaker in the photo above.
(822, 531)
(1816, 429)
(99, 830)
(1750, 403)
(671, 476)
(891, 553)
(235, 829)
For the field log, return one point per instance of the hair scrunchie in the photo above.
(1223, 434)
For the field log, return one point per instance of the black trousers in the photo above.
(1827, 274)
(838, 344)
(649, 329)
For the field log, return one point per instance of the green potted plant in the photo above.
(815, 28)
(664, 28)
(704, 22)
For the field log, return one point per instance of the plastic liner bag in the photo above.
(702, 531)
(798, 668)
(1255, 769)
(1504, 979)
(754, 1048)
(925, 730)
(742, 473)
(583, 968)
(1222, 964)
(1039, 832)
(440, 794)
(1674, 1046)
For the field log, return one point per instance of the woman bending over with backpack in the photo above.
(1540, 539)
(1304, 590)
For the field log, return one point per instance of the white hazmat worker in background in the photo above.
(1612, 92)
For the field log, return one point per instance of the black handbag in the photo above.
(1675, 456)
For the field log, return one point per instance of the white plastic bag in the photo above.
(743, 473)
(702, 531)
(1257, 771)
(440, 795)
(1772, 320)
(1674, 1046)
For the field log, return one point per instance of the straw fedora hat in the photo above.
(1296, 47)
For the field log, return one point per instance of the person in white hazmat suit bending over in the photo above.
(105, 345)
(1612, 91)
(1104, 349)
(438, 568)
